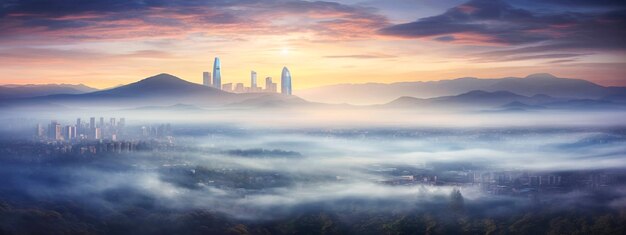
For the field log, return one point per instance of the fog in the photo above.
(261, 168)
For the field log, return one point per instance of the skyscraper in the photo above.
(253, 85)
(40, 131)
(285, 82)
(206, 78)
(79, 126)
(217, 75)
(269, 85)
(54, 131)
(97, 133)
(92, 123)
(70, 132)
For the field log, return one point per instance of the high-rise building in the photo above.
(101, 125)
(269, 85)
(253, 85)
(239, 88)
(227, 87)
(112, 123)
(206, 78)
(217, 74)
(79, 126)
(97, 133)
(92, 123)
(54, 131)
(39, 132)
(122, 123)
(285, 82)
(70, 132)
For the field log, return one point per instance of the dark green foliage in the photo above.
(67, 218)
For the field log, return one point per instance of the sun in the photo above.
(284, 51)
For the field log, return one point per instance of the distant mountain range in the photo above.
(165, 92)
(32, 90)
(535, 84)
(501, 101)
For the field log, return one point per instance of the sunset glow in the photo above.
(108, 43)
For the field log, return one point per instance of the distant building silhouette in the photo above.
(239, 88)
(285, 82)
(253, 84)
(206, 79)
(227, 87)
(69, 132)
(269, 85)
(217, 74)
(54, 131)
(97, 133)
(39, 132)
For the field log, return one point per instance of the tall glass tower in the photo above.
(253, 80)
(285, 82)
(217, 75)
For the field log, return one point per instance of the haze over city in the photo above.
(312, 117)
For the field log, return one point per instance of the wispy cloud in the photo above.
(361, 56)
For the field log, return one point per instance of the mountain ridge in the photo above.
(13, 91)
(500, 101)
(533, 84)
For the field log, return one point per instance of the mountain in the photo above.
(521, 106)
(534, 84)
(471, 99)
(158, 85)
(32, 90)
(159, 90)
(500, 101)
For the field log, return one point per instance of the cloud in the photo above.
(360, 56)
(496, 22)
(36, 56)
(562, 61)
(98, 20)
(530, 57)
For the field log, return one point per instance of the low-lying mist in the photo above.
(263, 168)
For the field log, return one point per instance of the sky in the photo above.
(104, 43)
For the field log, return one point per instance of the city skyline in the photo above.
(240, 87)
(104, 45)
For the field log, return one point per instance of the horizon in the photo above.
(322, 86)
(104, 44)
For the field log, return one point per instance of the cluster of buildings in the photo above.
(270, 86)
(156, 131)
(512, 183)
(91, 130)
(528, 183)
(112, 130)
